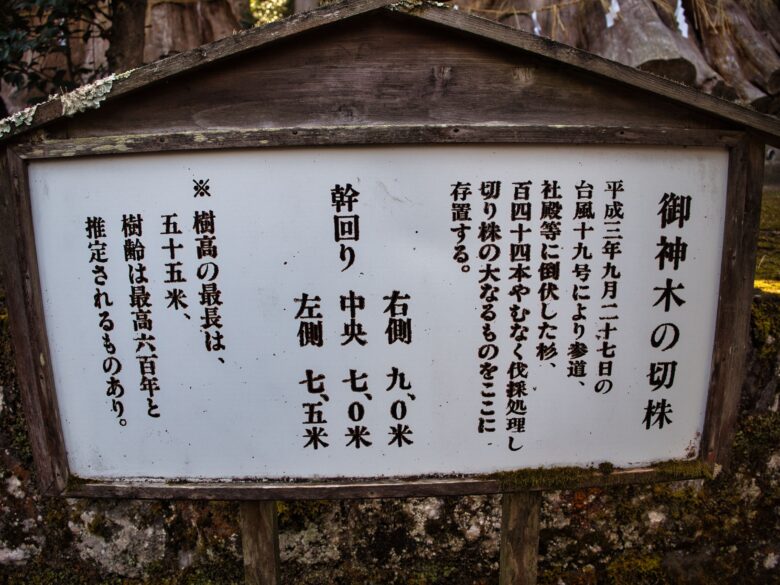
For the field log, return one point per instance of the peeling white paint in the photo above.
(22, 118)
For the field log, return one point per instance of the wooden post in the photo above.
(260, 539)
(519, 537)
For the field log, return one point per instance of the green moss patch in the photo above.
(768, 253)
(765, 326)
(634, 569)
(757, 437)
(576, 477)
(296, 514)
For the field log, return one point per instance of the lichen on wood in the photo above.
(23, 118)
(89, 96)
(410, 5)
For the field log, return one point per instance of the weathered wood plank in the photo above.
(355, 135)
(23, 297)
(623, 80)
(260, 491)
(768, 127)
(361, 73)
(524, 480)
(260, 542)
(519, 538)
(743, 208)
(233, 45)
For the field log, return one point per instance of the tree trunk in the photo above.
(735, 49)
(305, 5)
(639, 38)
(760, 60)
(707, 79)
(242, 13)
(765, 16)
(644, 35)
(126, 50)
(179, 26)
(564, 24)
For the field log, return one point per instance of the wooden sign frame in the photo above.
(35, 374)
(47, 133)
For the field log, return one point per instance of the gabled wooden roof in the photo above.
(766, 127)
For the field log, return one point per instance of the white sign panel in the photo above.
(379, 311)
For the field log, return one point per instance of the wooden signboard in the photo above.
(335, 268)
(379, 311)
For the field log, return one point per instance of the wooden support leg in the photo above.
(260, 538)
(519, 538)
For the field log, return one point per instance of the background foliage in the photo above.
(36, 41)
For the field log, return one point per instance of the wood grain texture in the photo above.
(23, 297)
(339, 488)
(187, 69)
(361, 72)
(242, 41)
(260, 542)
(370, 135)
(519, 538)
(743, 208)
